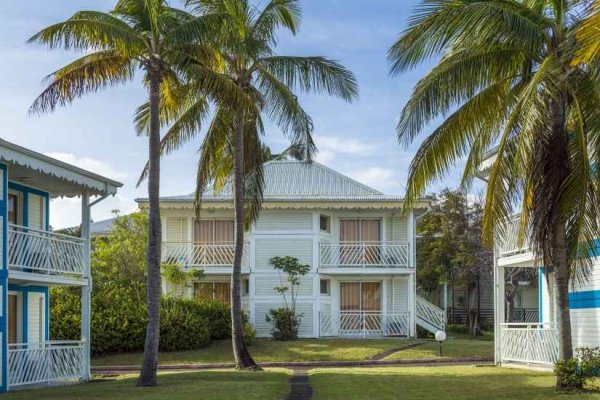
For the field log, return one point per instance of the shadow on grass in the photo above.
(207, 385)
(421, 383)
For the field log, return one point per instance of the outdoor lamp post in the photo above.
(440, 336)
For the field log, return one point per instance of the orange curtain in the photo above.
(203, 290)
(223, 292)
(371, 296)
(203, 231)
(369, 230)
(350, 296)
(349, 230)
(224, 231)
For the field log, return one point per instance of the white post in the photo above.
(412, 304)
(86, 290)
(499, 309)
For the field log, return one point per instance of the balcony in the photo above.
(34, 251)
(210, 256)
(364, 255)
(364, 324)
(45, 363)
(509, 244)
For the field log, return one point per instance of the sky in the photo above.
(96, 132)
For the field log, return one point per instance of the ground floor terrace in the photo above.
(530, 335)
(330, 305)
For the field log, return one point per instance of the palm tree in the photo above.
(148, 35)
(589, 34)
(506, 75)
(232, 152)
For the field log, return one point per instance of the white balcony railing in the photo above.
(365, 255)
(508, 245)
(45, 363)
(35, 250)
(189, 254)
(364, 324)
(531, 344)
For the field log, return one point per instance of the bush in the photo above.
(284, 322)
(183, 325)
(575, 373)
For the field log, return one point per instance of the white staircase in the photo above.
(430, 316)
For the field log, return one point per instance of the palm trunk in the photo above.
(150, 358)
(243, 359)
(561, 267)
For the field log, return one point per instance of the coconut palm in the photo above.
(506, 76)
(146, 35)
(232, 150)
(589, 33)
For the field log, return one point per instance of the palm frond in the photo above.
(85, 75)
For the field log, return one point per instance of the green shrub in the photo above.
(284, 323)
(183, 325)
(575, 373)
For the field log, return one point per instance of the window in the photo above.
(213, 231)
(245, 287)
(13, 209)
(325, 284)
(218, 291)
(324, 223)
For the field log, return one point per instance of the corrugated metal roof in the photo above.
(301, 180)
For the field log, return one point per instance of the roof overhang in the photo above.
(487, 162)
(293, 205)
(56, 177)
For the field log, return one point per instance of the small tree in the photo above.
(284, 320)
(178, 277)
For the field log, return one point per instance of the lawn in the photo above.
(450, 348)
(207, 385)
(448, 383)
(269, 350)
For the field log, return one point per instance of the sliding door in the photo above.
(216, 238)
(359, 240)
(360, 307)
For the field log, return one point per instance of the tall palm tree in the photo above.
(589, 34)
(506, 75)
(146, 35)
(232, 150)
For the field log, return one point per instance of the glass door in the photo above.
(359, 242)
(360, 308)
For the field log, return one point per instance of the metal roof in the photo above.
(293, 180)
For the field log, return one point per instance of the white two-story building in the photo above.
(358, 242)
(33, 259)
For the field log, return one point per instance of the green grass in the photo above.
(269, 350)
(448, 383)
(450, 348)
(206, 385)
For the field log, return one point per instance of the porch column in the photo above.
(85, 290)
(499, 305)
(412, 293)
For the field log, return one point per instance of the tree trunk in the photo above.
(243, 359)
(561, 268)
(150, 358)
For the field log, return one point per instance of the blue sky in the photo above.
(96, 132)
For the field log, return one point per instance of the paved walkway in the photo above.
(122, 369)
(300, 388)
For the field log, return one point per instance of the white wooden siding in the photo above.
(36, 211)
(585, 327)
(593, 282)
(265, 284)
(177, 229)
(396, 229)
(399, 295)
(285, 221)
(266, 248)
(35, 317)
(263, 328)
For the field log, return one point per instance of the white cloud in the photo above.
(66, 212)
(386, 180)
(344, 145)
(89, 164)
(325, 156)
